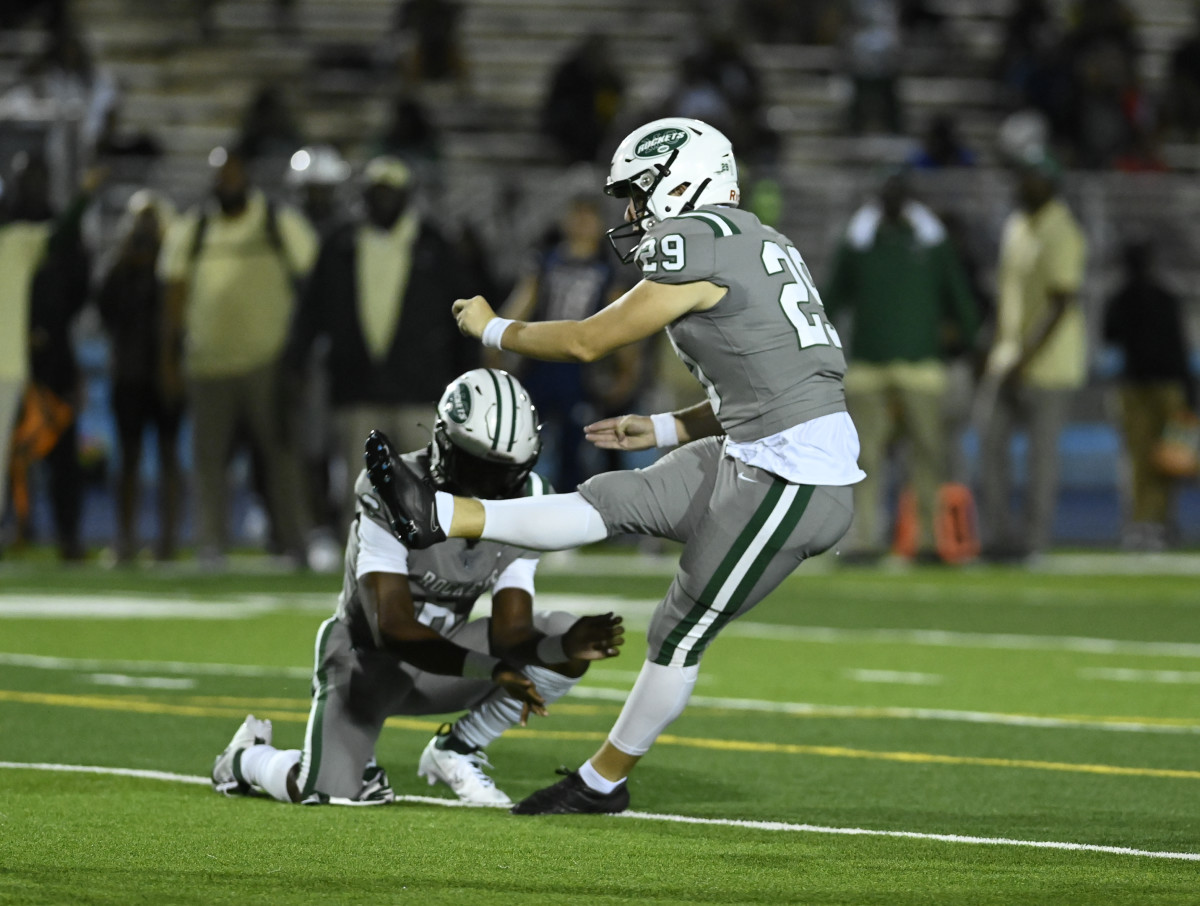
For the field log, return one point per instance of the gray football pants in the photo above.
(355, 691)
(744, 531)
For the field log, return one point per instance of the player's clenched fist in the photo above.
(472, 315)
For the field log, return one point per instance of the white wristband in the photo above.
(666, 434)
(494, 331)
(550, 650)
(477, 665)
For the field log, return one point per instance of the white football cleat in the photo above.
(463, 774)
(252, 732)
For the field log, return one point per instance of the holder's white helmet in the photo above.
(667, 167)
(485, 439)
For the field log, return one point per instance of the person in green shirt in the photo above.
(899, 281)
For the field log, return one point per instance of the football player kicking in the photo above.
(400, 642)
(740, 308)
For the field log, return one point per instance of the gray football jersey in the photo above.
(766, 354)
(445, 579)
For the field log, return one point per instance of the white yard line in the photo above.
(1127, 675)
(185, 668)
(940, 638)
(770, 826)
(636, 612)
(806, 709)
(26, 606)
(896, 677)
(124, 681)
(600, 693)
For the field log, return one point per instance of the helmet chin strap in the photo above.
(691, 202)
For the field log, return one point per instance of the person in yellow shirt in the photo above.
(229, 269)
(23, 240)
(1038, 358)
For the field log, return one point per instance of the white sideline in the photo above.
(675, 819)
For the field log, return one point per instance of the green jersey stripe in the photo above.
(499, 408)
(774, 545)
(715, 227)
(726, 567)
(310, 761)
(727, 227)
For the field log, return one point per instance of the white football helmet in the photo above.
(485, 439)
(667, 167)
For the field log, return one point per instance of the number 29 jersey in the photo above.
(766, 354)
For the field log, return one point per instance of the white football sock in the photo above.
(595, 780)
(267, 768)
(552, 523)
(657, 698)
(485, 723)
(487, 720)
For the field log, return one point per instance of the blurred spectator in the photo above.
(432, 49)
(115, 141)
(788, 22)
(268, 127)
(50, 278)
(410, 133)
(316, 173)
(1181, 104)
(719, 85)
(1031, 64)
(571, 280)
(229, 268)
(584, 97)
(1030, 38)
(942, 146)
(1102, 103)
(380, 294)
(1108, 111)
(52, 14)
(918, 16)
(873, 49)
(24, 232)
(130, 304)
(1142, 153)
(898, 277)
(1144, 320)
(696, 95)
(1037, 360)
(80, 93)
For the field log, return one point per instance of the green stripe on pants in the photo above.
(316, 717)
(773, 546)
(730, 560)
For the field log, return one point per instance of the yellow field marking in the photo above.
(141, 706)
(255, 704)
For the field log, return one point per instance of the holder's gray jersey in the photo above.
(766, 354)
(445, 580)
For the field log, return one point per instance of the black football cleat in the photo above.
(408, 501)
(571, 796)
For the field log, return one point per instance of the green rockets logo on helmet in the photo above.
(660, 142)
(458, 403)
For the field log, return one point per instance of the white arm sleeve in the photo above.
(518, 574)
(379, 551)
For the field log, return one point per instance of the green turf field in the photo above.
(960, 717)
